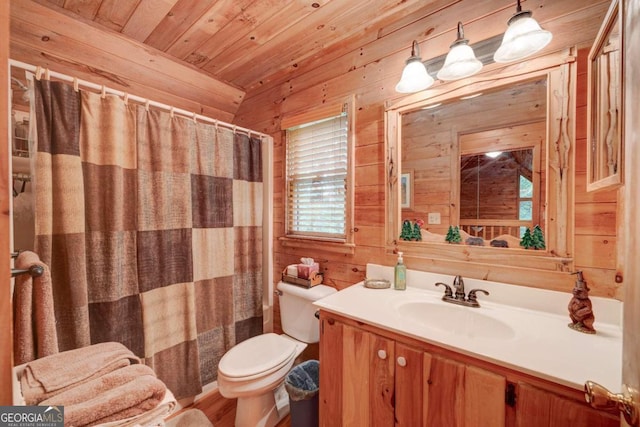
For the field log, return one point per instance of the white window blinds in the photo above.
(317, 162)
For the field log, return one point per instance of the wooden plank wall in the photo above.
(370, 73)
(6, 343)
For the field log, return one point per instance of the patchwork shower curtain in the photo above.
(152, 227)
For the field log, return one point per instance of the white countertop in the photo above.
(539, 342)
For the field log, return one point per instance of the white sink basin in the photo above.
(454, 319)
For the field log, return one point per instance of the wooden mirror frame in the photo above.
(560, 70)
(599, 109)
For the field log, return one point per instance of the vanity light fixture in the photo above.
(414, 76)
(461, 62)
(523, 37)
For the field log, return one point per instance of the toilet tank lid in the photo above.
(312, 294)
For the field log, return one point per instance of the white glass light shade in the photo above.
(461, 62)
(523, 37)
(414, 77)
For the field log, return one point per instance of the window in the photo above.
(317, 172)
(525, 201)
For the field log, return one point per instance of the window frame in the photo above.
(313, 241)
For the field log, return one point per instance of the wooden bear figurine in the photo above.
(580, 308)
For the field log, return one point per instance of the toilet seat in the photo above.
(257, 356)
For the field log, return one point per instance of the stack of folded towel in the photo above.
(98, 384)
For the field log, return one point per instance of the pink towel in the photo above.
(120, 394)
(54, 374)
(34, 322)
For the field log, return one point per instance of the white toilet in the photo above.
(254, 370)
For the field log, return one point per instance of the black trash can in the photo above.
(302, 384)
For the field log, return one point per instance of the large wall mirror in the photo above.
(475, 170)
(492, 159)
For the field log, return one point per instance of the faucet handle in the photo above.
(447, 289)
(471, 297)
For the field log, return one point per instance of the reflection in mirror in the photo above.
(496, 193)
(446, 149)
(22, 145)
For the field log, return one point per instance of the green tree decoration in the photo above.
(537, 238)
(453, 235)
(449, 235)
(416, 234)
(527, 240)
(456, 235)
(406, 232)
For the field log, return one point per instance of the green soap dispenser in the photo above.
(400, 275)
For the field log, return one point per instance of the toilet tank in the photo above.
(297, 312)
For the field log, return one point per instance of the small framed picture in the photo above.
(406, 190)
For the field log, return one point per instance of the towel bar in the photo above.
(34, 271)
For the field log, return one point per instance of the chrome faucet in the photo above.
(459, 297)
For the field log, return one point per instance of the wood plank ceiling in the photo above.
(249, 43)
(218, 53)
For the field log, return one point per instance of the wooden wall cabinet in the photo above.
(371, 377)
(604, 105)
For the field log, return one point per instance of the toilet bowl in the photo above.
(254, 370)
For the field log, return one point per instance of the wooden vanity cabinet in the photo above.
(372, 377)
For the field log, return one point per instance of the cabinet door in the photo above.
(443, 404)
(331, 372)
(539, 408)
(382, 391)
(459, 395)
(484, 398)
(409, 386)
(356, 406)
(356, 376)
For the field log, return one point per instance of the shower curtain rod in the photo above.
(145, 101)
